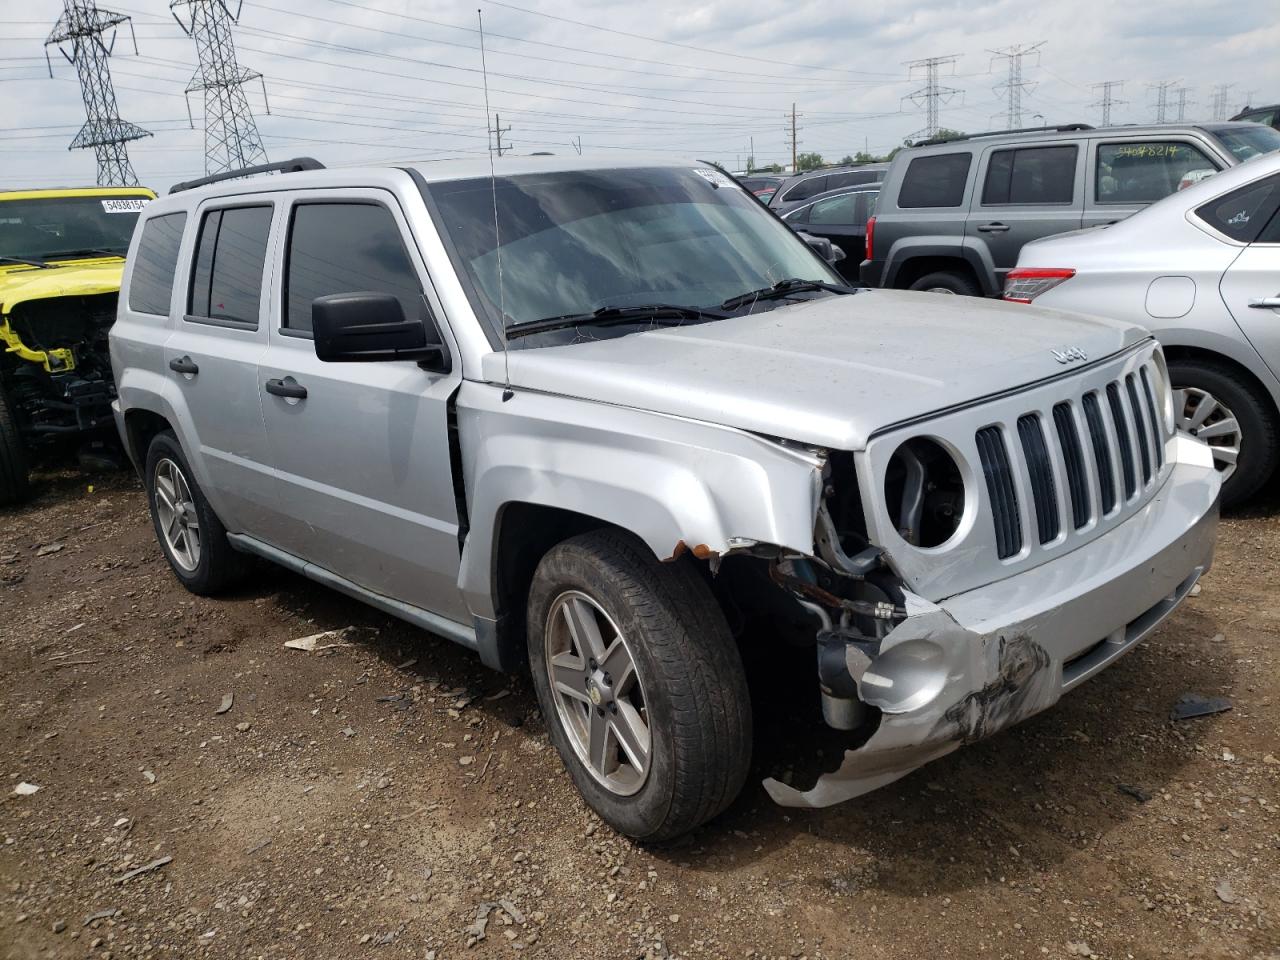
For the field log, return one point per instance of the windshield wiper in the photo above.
(783, 288)
(100, 251)
(26, 261)
(666, 313)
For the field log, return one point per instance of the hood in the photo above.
(77, 278)
(827, 372)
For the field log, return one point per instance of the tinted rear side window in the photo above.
(344, 248)
(1242, 213)
(806, 189)
(935, 181)
(231, 252)
(1031, 175)
(154, 265)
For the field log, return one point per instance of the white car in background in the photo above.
(1201, 270)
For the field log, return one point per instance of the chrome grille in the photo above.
(1051, 474)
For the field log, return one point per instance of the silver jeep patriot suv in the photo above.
(609, 422)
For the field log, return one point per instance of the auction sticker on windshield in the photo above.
(714, 177)
(124, 205)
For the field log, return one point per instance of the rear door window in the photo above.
(1242, 213)
(343, 248)
(936, 181)
(155, 263)
(231, 253)
(836, 210)
(1145, 171)
(806, 189)
(1031, 175)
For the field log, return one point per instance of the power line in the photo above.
(82, 25)
(932, 95)
(1108, 100)
(1014, 86)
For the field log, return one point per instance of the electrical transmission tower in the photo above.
(82, 26)
(1162, 98)
(1014, 86)
(1183, 101)
(1220, 94)
(932, 95)
(1108, 99)
(231, 139)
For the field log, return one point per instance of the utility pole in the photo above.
(1162, 98)
(1220, 93)
(751, 153)
(231, 140)
(1014, 85)
(82, 25)
(1108, 99)
(498, 130)
(932, 95)
(795, 142)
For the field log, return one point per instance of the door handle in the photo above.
(1266, 303)
(184, 364)
(993, 227)
(288, 387)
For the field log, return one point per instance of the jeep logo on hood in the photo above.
(1069, 355)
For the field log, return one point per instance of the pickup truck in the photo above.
(608, 422)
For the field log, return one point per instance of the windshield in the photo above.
(576, 242)
(1247, 142)
(67, 226)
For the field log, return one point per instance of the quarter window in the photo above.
(231, 252)
(1242, 213)
(1031, 175)
(343, 248)
(154, 264)
(936, 181)
(1147, 171)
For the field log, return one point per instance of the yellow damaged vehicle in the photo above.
(61, 256)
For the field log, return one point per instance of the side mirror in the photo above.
(372, 326)
(823, 247)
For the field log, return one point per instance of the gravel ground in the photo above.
(389, 797)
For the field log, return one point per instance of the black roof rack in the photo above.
(1059, 128)
(296, 165)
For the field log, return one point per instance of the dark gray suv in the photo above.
(954, 214)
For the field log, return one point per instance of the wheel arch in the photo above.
(909, 263)
(1174, 353)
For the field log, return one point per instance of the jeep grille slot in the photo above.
(1101, 452)
(1121, 424)
(1044, 493)
(1139, 428)
(1073, 460)
(1156, 433)
(1000, 488)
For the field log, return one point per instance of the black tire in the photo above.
(695, 691)
(15, 472)
(944, 280)
(219, 566)
(1259, 446)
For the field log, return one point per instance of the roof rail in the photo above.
(296, 165)
(1058, 128)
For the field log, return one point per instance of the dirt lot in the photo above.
(376, 798)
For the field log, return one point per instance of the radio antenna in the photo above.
(507, 393)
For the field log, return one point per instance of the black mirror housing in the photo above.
(370, 326)
(823, 247)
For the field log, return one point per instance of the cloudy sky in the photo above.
(380, 81)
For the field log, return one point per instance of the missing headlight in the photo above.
(924, 492)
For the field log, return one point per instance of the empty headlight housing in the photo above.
(924, 492)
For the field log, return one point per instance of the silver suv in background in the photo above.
(954, 214)
(805, 186)
(608, 422)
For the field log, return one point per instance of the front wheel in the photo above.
(640, 683)
(1215, 404)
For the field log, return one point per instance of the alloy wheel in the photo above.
(598, 692)
(1202, 415)
(176, 510)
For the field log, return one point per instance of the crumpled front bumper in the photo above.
(955, 672)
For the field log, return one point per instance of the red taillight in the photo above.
(1024, 284)
(871, 238)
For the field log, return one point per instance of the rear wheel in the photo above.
(15, 484)
(944, 281)
(192, 537)
(640, 683)
(1215, 404)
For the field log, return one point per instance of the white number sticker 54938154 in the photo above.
(124, 205)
